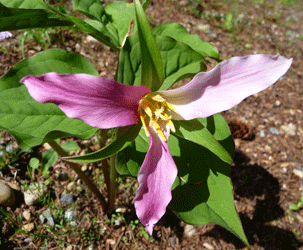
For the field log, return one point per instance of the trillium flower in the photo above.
(4, 35)
(105, 103)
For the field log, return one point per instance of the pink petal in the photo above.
(4, 35)
(226, 85)
(100, 102)
(156, 177)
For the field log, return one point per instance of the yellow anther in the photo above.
(171, 126)
(144, 125)
(158, 98)
(159, 131)
(153, 110)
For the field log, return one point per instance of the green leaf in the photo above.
(14, 19)
(294, 207)
(34, 163)
(152, 72)
(48, 159)
(145, 3)
(123, 137)
(131, 158)
(33, 123)
(202, 192)
(25, 4)
(179, 60)
(112, 22)
(91, 8)
(70, 146)
(195, 131)
(180, 34)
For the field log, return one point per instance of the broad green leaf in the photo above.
(180, 34)
(123, 137)
(179, 60)
(25, 4)
(122, 16)
(33, 123)
(194, 131)
(70, 146)
(202, 192)
(112, 22)
(152, 71)
(14, 19)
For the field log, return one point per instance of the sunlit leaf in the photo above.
(33, 123)
(152, 72)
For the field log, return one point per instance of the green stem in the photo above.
(92, 187)
(113, 185)
(104, 163)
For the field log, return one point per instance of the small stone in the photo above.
(67, 199)
(26, 214)
(298, 172)
(277, 103)
(189, 230)
(289, 129)
(237, 142)
(7, 196)
(28, 240)
(34, 192)
(69, 247)
(262, 134)
(77, 47)
(28, 227)
(84, 168)
(203, 27)
(117, 223)
(173, 241)
(111, 241)
(91, 39)
(208, 246)
(274, 131)
(248, 45)
(71, 186)
(299, 217)
(71, 216)
(47, 215)
(47, 146)
(14, 186)
(121, 210)
(69, 49)
(91, 247)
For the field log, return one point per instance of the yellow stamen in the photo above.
(153, 110)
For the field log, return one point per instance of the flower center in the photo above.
(153, 109)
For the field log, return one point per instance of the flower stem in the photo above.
(110, 174)
(92, 187)
(112, 189)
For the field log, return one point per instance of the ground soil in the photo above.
(267, 129)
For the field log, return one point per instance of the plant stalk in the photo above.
(92, 187)
(112, 189)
